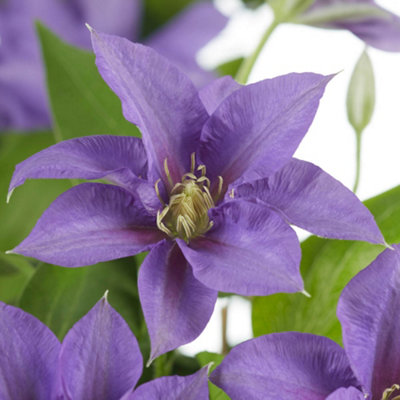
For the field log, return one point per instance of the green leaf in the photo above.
(205, 358)
(59, 296)
(30, 200)
(15, 273)
(361, 94)
(327, 266)
(230, 68)
(156, 13)
(82, 104)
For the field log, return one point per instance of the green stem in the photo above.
(358, 161)
(247, 65)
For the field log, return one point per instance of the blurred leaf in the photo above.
(230, 68)
(59, 296)
(30, 200)
(158, 13)
(361, 94)
(205, 358)
(82, 104)
(15, 273)
(327, 266)
(253, 3)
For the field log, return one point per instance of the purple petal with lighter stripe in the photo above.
(306, 196)
(28, 356)
(368, 310)
(175, 304)
(89, 223)
(100, 357)
(250, 251)
(157, 97)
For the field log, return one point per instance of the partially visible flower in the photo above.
(23, 103)
(188, 193)
(302, 366)
(373, 24)
(99, 358)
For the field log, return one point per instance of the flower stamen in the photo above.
(167, 173)
(388, 392)
(186, 215)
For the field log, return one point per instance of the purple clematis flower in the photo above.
(187, 193)
(373, 24)
(99, 358)
(302, 366)
(23, 104)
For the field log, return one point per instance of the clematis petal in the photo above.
(157, 97)
(119, 158)
(289, 365)
(216, 92)
(191, 387)
(100, 357)
(176, 306)
(250, 251)
(89, 223)
(306, 196)
(28, 356)
(368, 310)
(185, 35)
(350, 393)
(373, 24)
(256, 130)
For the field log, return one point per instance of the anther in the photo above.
(204, 179)
(192, 162)
(203, 169)
(167, 173)
(158, 192)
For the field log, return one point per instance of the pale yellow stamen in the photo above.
(186, 215)
(388, 392)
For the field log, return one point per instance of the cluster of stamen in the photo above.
(390, 391)
(186, 214)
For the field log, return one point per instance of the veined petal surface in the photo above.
(28, 356)
(256, 130)
(118, 158)
(185, 35)
(100, 357)
(217, 91)
(368, 310)
(191, 387)
(250, 251)
(175, 304)
(289, 365)
(89, 223)
(306, 196)
(155, 96)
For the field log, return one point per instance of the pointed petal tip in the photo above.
(150, 361)
(91, 30)
(305, 293)
(105, 296)
(9, 194)
(387, 245)
(10, 251)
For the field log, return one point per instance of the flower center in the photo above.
(387, 394)
(186, 214)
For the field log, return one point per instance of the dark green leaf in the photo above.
(327, 266)
(81, 102)
(230, 68)
(157, 13)
(205, 358)
(15, 273)
(59, 297)
(30, 200)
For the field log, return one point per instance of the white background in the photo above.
(330, 143)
